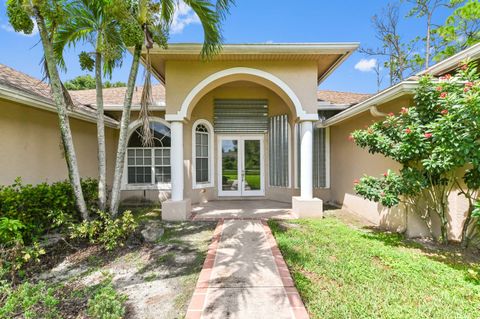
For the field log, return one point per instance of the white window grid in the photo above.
(156, 162)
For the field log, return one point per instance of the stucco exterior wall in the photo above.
(349, 162)
(183, 76)
(31, 147)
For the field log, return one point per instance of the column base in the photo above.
(307, 208)
(178, 210)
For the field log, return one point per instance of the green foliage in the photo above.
(106, 231)
(18, 17)
(431, 140)
(87, 82)
(30, 301)
(11, 230)
(107, 304)
(86, 61)
(36, 205)
(461, 29)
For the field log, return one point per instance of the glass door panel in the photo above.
(229, 166)
(252, 165)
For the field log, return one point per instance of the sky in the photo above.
(250, 21)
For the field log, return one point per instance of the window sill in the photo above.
(159, 187)
(200, 186)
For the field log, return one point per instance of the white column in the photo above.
(306, 162)
(176, 160)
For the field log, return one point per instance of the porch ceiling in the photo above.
(327, 55)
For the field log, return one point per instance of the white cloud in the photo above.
(183, 17)
(7, 27)
(366, 65)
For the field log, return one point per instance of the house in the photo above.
(248, 124)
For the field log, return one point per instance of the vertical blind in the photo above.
(278, 151)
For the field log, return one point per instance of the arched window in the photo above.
(149, 165)
(202, 154)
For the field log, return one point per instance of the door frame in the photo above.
(241, 192)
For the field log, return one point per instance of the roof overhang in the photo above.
(453, 62)
(327, 55)
(21, 97)
(398, 90)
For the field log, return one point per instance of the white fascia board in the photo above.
(22, 98)
(452, 62)
(382, 97)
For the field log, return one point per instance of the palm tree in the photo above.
(150, 22)
(90, 21)
(47, 16)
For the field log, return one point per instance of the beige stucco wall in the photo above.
(31, 147)
(350, 162)
(183, 76)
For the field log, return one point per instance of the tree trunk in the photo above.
(466, 224)
(122, 139)
(66, 134)
(427, 48)
(102, 170)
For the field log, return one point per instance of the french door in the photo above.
(240, 166)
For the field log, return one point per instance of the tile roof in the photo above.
(335, 97)
(36, 89)
(115, 96)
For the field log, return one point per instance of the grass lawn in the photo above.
(343, 272)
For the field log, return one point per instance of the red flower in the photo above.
(464, 67)
(439, 89)
(443, 95)
(385, 174)
(466, 89)
(391, 114)
(444, 112)
(469, 84)
(351, 138)
(356, 181)
(427, 135)
(408, 130)
(448, 76)
(404, 110)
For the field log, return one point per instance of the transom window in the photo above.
(149, 165)
(202, 154)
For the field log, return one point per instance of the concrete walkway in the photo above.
(245, 276)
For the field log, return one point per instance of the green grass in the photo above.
(341, 272)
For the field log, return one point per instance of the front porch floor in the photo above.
(242, 209)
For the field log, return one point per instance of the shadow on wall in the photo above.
(399, 219)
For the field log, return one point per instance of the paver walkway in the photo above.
(245, 276)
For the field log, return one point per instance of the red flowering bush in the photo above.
(432, 140)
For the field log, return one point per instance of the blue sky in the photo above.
(250, 21)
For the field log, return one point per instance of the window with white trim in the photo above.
(149, 165)
(202, 154)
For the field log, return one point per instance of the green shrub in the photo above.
(107, 304)
(105, 230)
(34, 205)
(28, 300)
(11, 230)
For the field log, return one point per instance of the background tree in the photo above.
(426, 9)
(461, 29)
(91, 21)
(48, 15)
(396, 53)
(87, 82)
(146, 22)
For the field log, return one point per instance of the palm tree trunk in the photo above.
(61, 105)
(122, 139)
(102, 166)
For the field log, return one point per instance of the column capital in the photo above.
(174, 118)
(307, 117)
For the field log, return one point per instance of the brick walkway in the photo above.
(245, 276)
